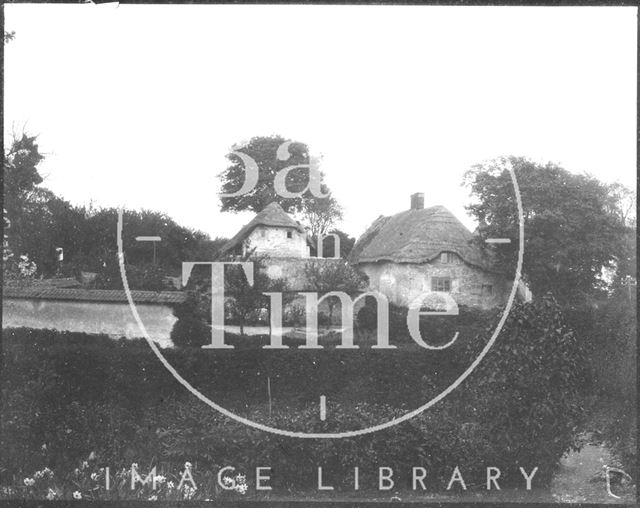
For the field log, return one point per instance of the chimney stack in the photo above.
(417, 201)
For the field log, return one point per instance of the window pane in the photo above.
(441, 284)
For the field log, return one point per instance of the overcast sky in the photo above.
(138, 105)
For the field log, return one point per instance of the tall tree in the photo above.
(573, 226)
(264, 151)
(271, 154)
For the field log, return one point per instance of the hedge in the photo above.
(76, 393)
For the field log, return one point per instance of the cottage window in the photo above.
(289, 234)
(263, 233)
(487, 290)
(442, 284)
(449, 258)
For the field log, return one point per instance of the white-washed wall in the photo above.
(113, 319)
(272, 241)
(403, 283)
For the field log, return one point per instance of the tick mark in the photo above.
(323, 408)
(498, 240)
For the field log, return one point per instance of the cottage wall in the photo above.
(273, 241)
(402, 283)
(113, 319)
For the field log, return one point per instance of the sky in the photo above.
(137, 105)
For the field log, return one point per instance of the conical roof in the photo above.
(271, 215)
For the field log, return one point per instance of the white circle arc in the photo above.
(332, 435)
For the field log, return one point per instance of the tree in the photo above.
(623, 202)
(20, 173)
(319, 215)
(264, 150)
(573, 227)
(23, 200)
(272, 154)
(242, 300)
(247, 299)
(40, 222)
(326, 276)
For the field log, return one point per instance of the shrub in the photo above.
(190, 329)
(609, 330)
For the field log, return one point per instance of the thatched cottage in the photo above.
(271, 233)
(425, 250)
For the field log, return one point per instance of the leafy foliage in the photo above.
(39, 222)
(244, 302)
(573, 224)
(264, 150)
(321, 214)
(318, 214)
(326, 276)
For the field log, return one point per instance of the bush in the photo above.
(609, 330)
(190, 329)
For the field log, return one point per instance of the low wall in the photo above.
(113, 319)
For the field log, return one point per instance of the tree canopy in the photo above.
(272, 154)
(574, 224)
(37, 222)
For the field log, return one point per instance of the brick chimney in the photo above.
(417, 201)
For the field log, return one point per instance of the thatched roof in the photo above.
(272, 215)
(419, 236)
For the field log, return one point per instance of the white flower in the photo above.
(170, 485)
(187, 465)
(77, 495)
(94, 476)
(134, 465)
(160, 479)
(85, 464)
(38, 474)
(227, 481)
(51, 494)
(188, 492)
(29, 482)
(241, 478)
(242, 488)
(153, 498)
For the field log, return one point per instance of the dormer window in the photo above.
(289, 234)
(449, 258)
